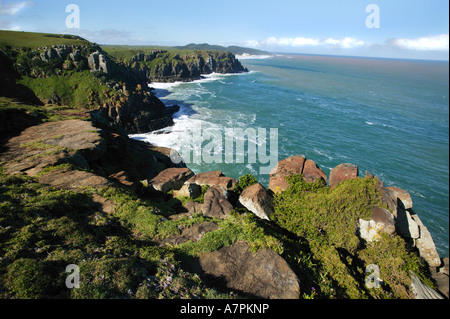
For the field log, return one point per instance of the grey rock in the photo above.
(171, 179)
(425, 244)
(258, 201)
(194, 234)
(262, 274)
(406, 226)
(216, 203)
(421, 290)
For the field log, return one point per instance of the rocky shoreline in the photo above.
(74, 154)
(76, 189)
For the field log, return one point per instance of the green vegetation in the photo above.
(327, 219)
(43, 230)
(120, 254)
(74, 89)
(34, 40)
(244, 182)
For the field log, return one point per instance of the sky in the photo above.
(415, 29)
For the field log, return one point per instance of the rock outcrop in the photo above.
(77, 148)
(171, 179)
(342, 173)
(291, 166)
(381, 220)
(263, 274)
(216, 178)
(258, 201)
(188, 67)
(216, 203)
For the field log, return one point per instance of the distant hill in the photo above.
(233, 49)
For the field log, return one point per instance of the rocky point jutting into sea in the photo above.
(75, 189)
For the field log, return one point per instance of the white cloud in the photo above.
(346, 42)
(431, 43)
(13, 8)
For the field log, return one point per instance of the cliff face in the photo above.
(86, 76)
(172, 66)
(83, 77)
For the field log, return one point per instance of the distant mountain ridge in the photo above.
(233, 49)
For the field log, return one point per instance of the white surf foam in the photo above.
(247, 56)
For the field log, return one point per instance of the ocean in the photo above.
(388, 116)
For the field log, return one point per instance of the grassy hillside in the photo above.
(69, 71)
(34, 40)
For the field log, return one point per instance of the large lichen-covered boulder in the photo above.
(380, 221)
(263, 274)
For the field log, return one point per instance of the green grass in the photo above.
(42, 230)
(75, 89)
(34, 40)
(47, 113)
(336, 257)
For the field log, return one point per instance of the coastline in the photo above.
(188, 118)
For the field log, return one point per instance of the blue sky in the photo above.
(407, 29)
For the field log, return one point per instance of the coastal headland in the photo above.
(76, 190)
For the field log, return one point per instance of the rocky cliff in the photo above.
(179, 65)
(83, 77)
(81, 192)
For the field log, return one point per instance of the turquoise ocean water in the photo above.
(390, 117)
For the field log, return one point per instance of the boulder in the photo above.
(216, 203)
(188, 190)
(289, 166)
(194, 234)
(263, 274)
(171, 179)
(445, 264)
(215, 178)
(122, 178)
(422, 291)
(388, 198)
(73, 180)
(442, 283)
(258, 201)
(193, 207)
(425, 244)
(342, 173)
(75, 142)
(381, 221)
(312, 172)
(406, 226)
(384, 217)
(403, 198)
